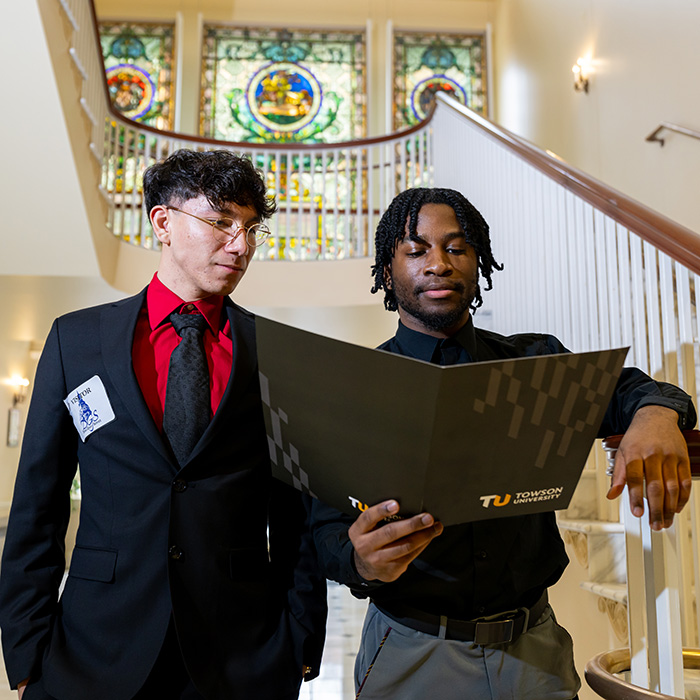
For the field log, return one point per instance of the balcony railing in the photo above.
(330, 196)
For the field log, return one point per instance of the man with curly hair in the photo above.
(462, 611)
(194, 574)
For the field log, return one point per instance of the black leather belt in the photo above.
(504, 628)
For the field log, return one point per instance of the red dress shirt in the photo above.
(155, 339)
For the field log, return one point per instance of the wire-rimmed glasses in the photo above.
(225, 229)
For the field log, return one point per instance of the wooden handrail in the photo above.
(678, 242)
(249, 145)
(654, 135)
(600, 676)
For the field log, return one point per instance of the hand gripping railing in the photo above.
(692, 438)
(601, 669)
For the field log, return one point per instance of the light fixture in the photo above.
(581, 71)
(19, 388)
(19, 393)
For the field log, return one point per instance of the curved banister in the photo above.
(654, 135)
(675, 240)
(679, 242)
(274, 146)
(597, 270)
(601, 669)
(247, 145)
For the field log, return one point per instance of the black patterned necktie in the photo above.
(187, 396)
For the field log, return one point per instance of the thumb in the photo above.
(617, 484)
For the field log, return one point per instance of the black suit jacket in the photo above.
(154, 538)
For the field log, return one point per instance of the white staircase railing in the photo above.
(330, 196)
(597, 269)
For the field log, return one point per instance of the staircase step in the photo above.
(599, 547)
(612, 600)
(616, 592)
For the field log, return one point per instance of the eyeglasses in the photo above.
(226, 229)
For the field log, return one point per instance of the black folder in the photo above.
(354, 426)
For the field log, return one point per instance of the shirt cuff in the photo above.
(351, 578)
(680, 406)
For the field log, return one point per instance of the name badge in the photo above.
(89, 407)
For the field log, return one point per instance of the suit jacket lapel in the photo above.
(117, 327)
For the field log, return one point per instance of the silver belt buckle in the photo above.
(485, 631)
(494, 632)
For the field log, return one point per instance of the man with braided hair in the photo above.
(462, 612)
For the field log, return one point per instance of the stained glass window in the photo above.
(139, 64)
(425, 64)
(266, 85)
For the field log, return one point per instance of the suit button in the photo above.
(483, 555)
(175, 553)
(179, 485)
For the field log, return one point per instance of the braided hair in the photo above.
(404, 208)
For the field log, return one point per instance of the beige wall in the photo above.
(646, 67)
(43, 226)
(29, 306)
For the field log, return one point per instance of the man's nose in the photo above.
(239, 243)
(438, 263)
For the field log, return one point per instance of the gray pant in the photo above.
(397, 662)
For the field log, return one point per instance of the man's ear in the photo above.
(160, 223)
(387, 277)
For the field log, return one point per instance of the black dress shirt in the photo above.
(491, 566)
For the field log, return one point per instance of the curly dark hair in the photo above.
(221, 176)
(404, 209)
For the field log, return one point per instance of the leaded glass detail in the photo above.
(138, 60)
(267, 85)
(425, 64)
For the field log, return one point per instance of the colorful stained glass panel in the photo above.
(425, 64)
(266, 85)
(138, 61)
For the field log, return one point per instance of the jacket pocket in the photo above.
(93, 564)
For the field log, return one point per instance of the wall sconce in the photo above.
(19, 393)
(19, 387)
(581, 70)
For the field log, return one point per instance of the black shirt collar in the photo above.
(424, 347)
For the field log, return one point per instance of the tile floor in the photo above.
(345, 616)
